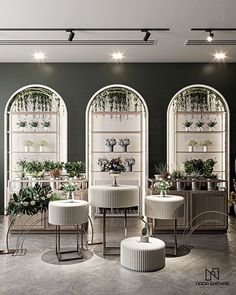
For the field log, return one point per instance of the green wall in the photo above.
(156, 82)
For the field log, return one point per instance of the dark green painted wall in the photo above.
(156, 82)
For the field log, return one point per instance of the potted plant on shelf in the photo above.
(191, 144)
(161, 170)
(102, 163)
(208, 174)
(194, 169)
(115, 167)
(22, 124)
(27, 144)
(205, 144)
(162, 186)
(187, 124)
(74, 169)
(56, 169)
(124, 142)
(199, 124)
(211, 124)
(34, 125)
(35, 168)
(110, 143)
(178, 176)
(46, 125)
(129, 162)
(42, 143)
(22, 164)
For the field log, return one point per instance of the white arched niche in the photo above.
(119, 112)
(198, 103)
(33, 103)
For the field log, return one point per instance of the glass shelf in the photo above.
(199, 132)
(33, 152)
(200, 113)
(33, 132)
(32, 113)
(199, 152)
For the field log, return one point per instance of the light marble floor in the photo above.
(38, 272)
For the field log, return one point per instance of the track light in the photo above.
(147, 35)
(210, 37)
(71, 35)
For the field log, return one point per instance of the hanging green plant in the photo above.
(197, 99)
(117, 100)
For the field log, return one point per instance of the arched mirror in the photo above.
(117, 128)
(198, 130)
(35, 129)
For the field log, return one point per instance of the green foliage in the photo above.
(161, 169)
(177, 174)
(208, 168)
(75, 168)
(194, 167)
(30, 200)
(35, 168)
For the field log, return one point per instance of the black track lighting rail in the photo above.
(213, 29)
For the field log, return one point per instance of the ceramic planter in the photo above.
(180, 186)
(190, 148)
(205, 148)
(195, 185)
(129, 168)
(211, 186)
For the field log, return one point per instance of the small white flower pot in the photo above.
(211, 129)
(46, 129)
(41, 148)
(199, 129)
(190, 148)
(26, 148)
(22, 129)
(187, 128)
(205, 148)
(34, 129)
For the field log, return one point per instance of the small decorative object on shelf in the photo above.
(34, 125)
(187, 124)
(211, 124)
(162, 171)
(41, 144)
(129, 162)
(199, 124)
(27, 144)
(178, 175)
(46, 125)
(22, 124)
(162, 186)
(110, 142)
(115, 167)
(124, 142)
(54, 168)
(70, 188)
(205, 144)
(145, 233)
(191, 144)
(102, 163)
(75, 168)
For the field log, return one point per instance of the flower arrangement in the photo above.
(116, 165)
(34, 124)
(46, 124)
(206, 143)
(199, 123)
(162, 186)
(42, 143)
(102, 162)
(192, 143)
(110, 141)
(124, 141)
(187, 124)
(27, 143)
(69, 187)
(30, 200)
(211, 124)
(22, 123)
(130, 161)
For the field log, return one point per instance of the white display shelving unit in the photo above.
(56, 135)
(178, 137)
(102, 124)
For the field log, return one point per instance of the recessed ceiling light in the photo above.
(220, 56)
(39, 56)
(117, 56)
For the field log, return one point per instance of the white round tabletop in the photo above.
(107, 196)
(65, 212)
(168, 207)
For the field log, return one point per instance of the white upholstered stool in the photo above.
(139, 256)
(68, 212)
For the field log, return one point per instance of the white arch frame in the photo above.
(5, 128)
(145, 156)
(228, 121)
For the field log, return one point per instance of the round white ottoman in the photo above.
(139, 256)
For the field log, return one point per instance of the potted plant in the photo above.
(124, 142)
(70, 188)
(162, 186)
(46, 125)
(34, 125)
(178, 176)
(191, 144)
(22, 124)
(74, 169)
(102, 163)
(23, 167)
(27, 144)
(129, 162)
(110, 142)
(56, 169)
(161, 170)
(205, 144)
(199, 124)
(211, 124)
(35, 168)
(187, 124)
(41, 144)
(194, 169)
(208, 174)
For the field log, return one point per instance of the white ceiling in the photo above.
(178, 15)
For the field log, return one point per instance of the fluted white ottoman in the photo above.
(107, 196)
(68, 212)
(139, 256)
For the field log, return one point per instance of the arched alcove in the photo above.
(191, 107)
(117, 112)
(30, 106)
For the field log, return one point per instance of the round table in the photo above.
(139, 256)
(68, 212)
(107, 196)
(168, 207)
